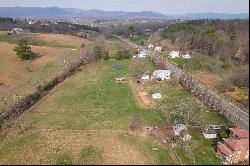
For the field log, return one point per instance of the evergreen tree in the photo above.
(23, 50)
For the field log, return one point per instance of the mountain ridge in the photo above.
(68, 13)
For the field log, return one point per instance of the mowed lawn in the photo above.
(85, 120)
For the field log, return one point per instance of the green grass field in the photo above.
(85, 121)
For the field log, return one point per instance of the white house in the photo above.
(156, 96)
(150, 45)
(17, 31)
(142, 54)
(186, 56)
(174, 54)
(145, 76)
(31, 22)
(161, 74)
(158, 49)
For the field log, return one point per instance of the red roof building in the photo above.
(234, 149)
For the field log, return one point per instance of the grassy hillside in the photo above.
(20, 78)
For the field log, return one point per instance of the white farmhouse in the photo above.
(158, 49)
(161, 74)
(145, 76)
(156, 96)
(174, 54)
(150, 45)
(17, 31)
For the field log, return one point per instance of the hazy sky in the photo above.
(163, 6)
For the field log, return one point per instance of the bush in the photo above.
(90, 155)
(119, 55)
(98, 53)
(122, 55)
(64, 160)
(24, 51)
(106, 55)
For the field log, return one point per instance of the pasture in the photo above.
(85, 120)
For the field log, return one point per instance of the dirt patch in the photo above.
(144, 97)
(141, 95)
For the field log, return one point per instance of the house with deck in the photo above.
(161, 74)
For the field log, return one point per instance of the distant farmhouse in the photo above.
(17, 31)
(142, 54)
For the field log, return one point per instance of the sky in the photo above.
(162, 6)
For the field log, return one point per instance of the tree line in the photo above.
(224, 39)
(7, 24)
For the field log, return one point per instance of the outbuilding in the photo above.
(156, 96)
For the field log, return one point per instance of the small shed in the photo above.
(145, 76)
(211, 131)
(150, 45)
(186, 56)
(156, 96)
(120, 79)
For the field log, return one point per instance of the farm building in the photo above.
(174, 54)
(17, 31)
(145, 76)
(150, 45)
(211, 131)
(186, 56)
(161, 74)
(156, 96)
(234, 149)
(158, 49)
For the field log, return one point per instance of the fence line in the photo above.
(27, 102)
(206, 95)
